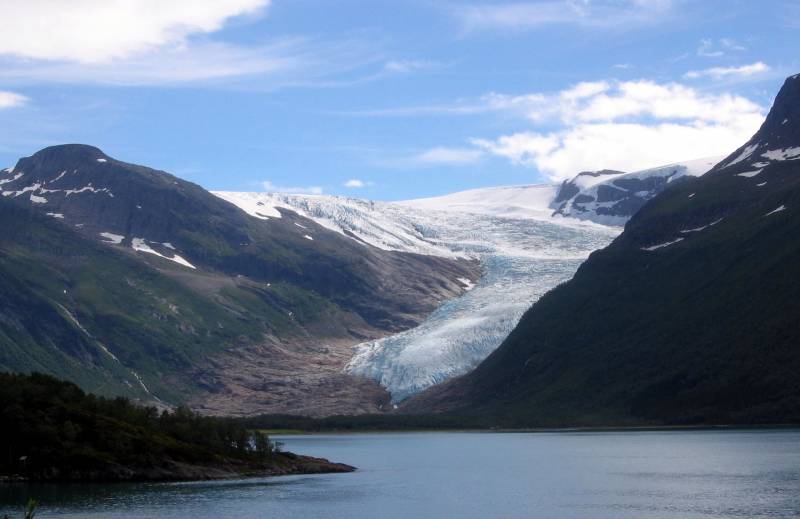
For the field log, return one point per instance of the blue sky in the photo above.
(390, 99)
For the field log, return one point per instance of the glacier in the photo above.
(523, 249)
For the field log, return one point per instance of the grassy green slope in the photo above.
(56, 285)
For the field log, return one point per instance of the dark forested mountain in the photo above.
(129, 280)
(689, 316)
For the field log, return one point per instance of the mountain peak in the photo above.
(779, 135)
(67, 153)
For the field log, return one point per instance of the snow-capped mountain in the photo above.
(523, 250)
(612, 197)
(528, 239)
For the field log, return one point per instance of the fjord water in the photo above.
(675, 474)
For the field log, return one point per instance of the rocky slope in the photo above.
(131, 281)
(688, 317)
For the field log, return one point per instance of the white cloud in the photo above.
(308, 190)
(11, 99)
(723, 72)
(354, 183)
(407, 66)
(153, 42)
(454, 156)
(102, 30)
(605, 101)
(528, 15)
(626, 126)
(621, 146)
(709, 48)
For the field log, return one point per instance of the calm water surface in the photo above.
(605, 475)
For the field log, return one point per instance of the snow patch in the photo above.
(468, 284)
(307, 237)
(748, 150)
(89, 189)
(778, 210)
(140, 244)
(56, 215)
(662, 245)
(783, 154)
(691, 195)
(102, 160)
(254, 204)
(761, 184)
(749, 174)
(698, 229)
(38, 199)
(112, 238)
(59, 177)
(12, 179)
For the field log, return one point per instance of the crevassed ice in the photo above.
(523, 253)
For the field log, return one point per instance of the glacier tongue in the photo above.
(524, 252)
(522, 259)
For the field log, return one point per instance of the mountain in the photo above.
(128, 280)
(522, 249)
(688, 317)
(611, 197)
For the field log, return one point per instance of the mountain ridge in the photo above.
(189, 294)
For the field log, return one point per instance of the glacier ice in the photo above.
(524, 252)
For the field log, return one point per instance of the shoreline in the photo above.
(579, 429)
(286, 464)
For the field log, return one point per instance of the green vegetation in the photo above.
(65, 299)
(53, 430)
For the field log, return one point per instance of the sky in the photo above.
(391, 99)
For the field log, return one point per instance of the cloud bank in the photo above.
(628, 125)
